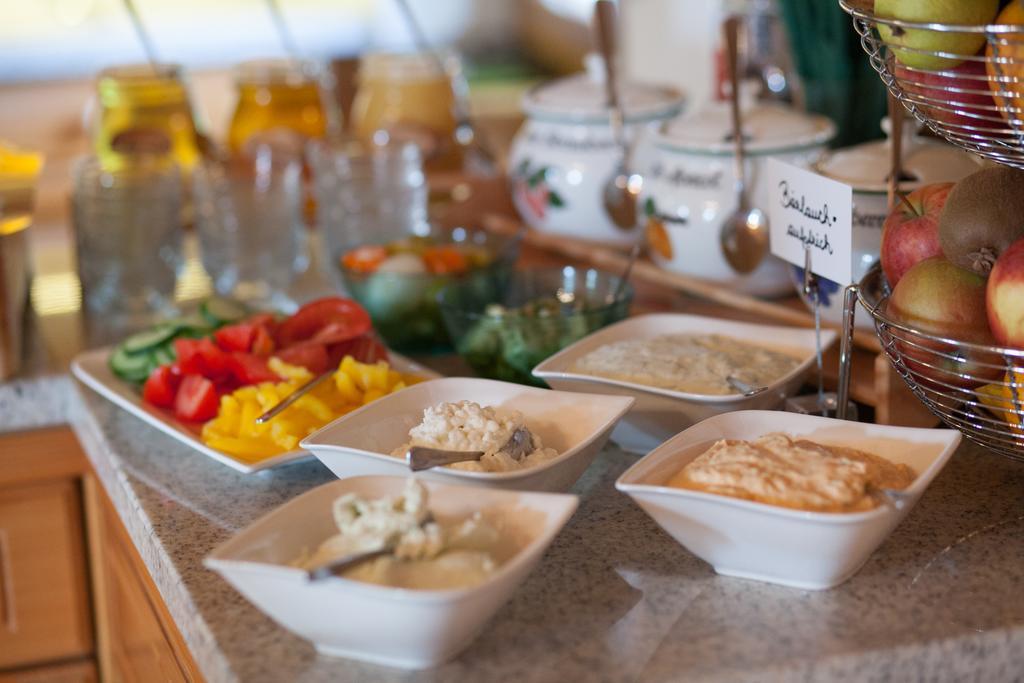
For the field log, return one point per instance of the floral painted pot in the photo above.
(565, 152)
(689, 187)
(865, 167)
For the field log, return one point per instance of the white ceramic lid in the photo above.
(581, 97)
(926, 160)
(767, 128)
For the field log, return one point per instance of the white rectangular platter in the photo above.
(93, 370)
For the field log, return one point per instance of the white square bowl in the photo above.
(810, 550)
(406, 628)
(661, 413)
(576, 425)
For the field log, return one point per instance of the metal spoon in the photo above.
(624, 278)
(477, 155)
(339, 564)
(742, 387)
(744, 236)
(622, 191)
(418, 458)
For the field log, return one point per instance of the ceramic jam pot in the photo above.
(565, 152)
(689, 186)
(865, 167)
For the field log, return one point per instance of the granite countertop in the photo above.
(613, 599)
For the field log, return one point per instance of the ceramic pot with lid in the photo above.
(689, 186)
(865, 167)
(565, 152)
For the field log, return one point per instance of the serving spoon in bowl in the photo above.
(518, 446)
(744, 235)
(340, 564)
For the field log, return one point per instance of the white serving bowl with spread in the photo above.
(576, 425)
(745, 539)
(406, 628)
(660, 413)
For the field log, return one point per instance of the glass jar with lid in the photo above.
(144, 109)
(279, 101)
(407, 98)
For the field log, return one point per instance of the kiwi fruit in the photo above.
(983, 215)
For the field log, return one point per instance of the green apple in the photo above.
(934, 11)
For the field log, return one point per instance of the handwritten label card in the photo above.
(808, 210)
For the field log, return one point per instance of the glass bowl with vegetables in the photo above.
(504, 335)
(398, 281)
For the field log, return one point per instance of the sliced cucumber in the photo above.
(130, 367)
(191, 324)
(151, 338)
(220, 311)
(163, 355)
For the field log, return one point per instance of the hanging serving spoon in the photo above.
(744, 236)
(622, 191)
(467, 136)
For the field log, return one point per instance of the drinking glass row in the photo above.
(250, 212)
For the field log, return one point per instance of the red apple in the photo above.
(1005, 296)
(911, 230)
(958, 97)
(942, 299)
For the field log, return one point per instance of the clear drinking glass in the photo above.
(367, 193)
(249, 221)
(128, 229)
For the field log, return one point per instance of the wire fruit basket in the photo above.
(974, 388)
(966, 83)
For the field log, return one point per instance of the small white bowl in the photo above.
(412, 629)
(661, 413)
(576, 425)
(810, 550)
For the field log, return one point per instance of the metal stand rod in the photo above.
(850, 297)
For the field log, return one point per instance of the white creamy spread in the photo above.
(692, 363)
(794, 473)
(427, 554)
(467, 426)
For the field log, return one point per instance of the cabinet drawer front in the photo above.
(44, 605)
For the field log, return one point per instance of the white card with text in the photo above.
(807, 209)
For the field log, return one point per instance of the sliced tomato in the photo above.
(196, 400)
(365, 349)
(161, 386)
(262, 342)
(347, 318)
(267, 320)
(237, 337)
(364, 259)
(445, 260)
(309, 355)
(202, 357)
(249, 368)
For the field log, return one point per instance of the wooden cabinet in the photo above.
(138, 640)
(44, 599)
(77, 603)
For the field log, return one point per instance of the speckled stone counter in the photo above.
(614, 599)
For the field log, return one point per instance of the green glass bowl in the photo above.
(505, 343)
(404, 307)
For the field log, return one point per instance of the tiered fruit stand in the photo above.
(979, 107)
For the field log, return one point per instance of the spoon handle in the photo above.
(335, 566)
(421, 458)
(604, 19)
(731, 29)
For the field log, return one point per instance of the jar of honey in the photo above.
(280, 101)
(144, 109)
(407, 98)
